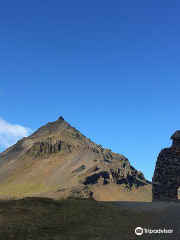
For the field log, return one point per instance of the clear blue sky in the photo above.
(111, 68)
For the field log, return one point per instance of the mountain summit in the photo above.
(58, 161)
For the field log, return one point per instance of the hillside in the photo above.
(58, 161)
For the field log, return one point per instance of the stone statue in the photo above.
(166, 179)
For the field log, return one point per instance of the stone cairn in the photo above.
(166, 179)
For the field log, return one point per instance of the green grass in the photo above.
(21, 190)
(71, 219)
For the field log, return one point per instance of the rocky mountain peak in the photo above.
(59, 162)
(60, 119)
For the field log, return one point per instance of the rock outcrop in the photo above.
(45, 148)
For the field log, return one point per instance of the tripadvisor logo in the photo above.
(140, 231)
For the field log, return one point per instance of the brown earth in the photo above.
(57, 161)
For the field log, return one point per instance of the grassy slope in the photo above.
(70, 219)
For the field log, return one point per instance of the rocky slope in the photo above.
(58, 161)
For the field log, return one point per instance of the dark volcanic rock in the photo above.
(46, 148)
(166, 179)
(79, 169)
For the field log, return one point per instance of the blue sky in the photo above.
(110, 68)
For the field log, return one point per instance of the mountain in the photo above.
(58, 161)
